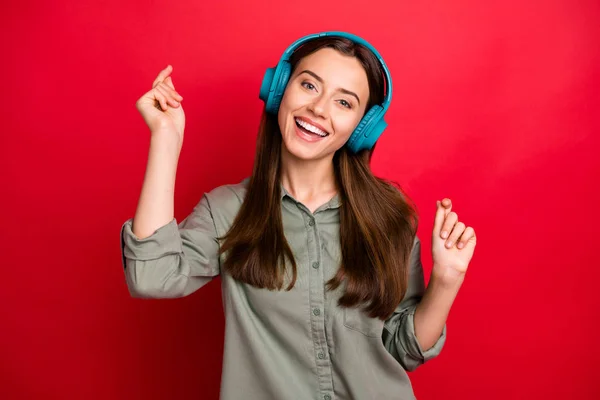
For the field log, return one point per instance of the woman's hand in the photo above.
(161, 106)
(452, 245)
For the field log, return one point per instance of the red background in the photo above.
(495, 106)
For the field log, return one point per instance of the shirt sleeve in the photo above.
(399, 330)
(176, 260)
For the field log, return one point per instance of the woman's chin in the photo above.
(302, 149)
(300, 152)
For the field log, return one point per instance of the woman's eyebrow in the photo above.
(317, 77)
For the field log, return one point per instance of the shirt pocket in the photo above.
(357, 320)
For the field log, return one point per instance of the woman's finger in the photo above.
(439, 217)
(442, 209)
(466, 236)
(161, 98)
(448, 225)
(170, 92)
(169, 81)
(458, 230)
(162, 75)
(165, 91)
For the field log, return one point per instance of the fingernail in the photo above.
(460, 245)
(444, 234)
(449, 244)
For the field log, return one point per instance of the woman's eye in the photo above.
(345, 104)
(308, 85)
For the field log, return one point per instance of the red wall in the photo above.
(495, 106)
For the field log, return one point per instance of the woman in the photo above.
(322, 280)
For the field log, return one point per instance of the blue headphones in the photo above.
(370, 127)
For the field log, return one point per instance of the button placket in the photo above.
(317, 303)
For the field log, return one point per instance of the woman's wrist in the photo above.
(447, 280)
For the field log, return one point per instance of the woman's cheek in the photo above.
(348, 126)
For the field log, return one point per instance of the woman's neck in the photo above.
(308, 180)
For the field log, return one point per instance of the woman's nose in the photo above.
(318, 106)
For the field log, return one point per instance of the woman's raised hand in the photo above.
(161, 107)
(453, 243)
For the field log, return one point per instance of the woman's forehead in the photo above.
(335, 69)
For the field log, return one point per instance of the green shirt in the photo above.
(284, 345)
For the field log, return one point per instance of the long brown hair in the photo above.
(378, 222)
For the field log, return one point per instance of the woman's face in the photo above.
(324, 101)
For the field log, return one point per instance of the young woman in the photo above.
(322, 282)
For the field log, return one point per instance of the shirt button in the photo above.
(316, 311)
(311, 222)
(327, 397)
(315, 265)
(321, 355)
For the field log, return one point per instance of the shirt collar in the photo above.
(334, 202)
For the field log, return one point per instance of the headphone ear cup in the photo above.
(279, 89)
(375, 131)
(267, 82)
(365, 128)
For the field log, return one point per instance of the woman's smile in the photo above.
(308, 130)
(307, 135)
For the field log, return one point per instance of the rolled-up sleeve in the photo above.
(399, 330)
(176, 260)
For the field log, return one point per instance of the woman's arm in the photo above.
(155, 205)
(453, 244)
(433, 309)
(175, 260)
(399, 333)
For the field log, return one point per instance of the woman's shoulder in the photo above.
(228, 198)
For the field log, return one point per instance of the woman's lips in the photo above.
(307, 136)
(311, 122)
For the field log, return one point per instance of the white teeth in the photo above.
(311, 128)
